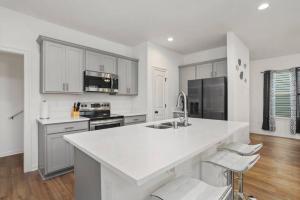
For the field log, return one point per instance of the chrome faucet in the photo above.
(182, 94)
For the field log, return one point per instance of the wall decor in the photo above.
(239, 62)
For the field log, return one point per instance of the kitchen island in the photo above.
(128, 163)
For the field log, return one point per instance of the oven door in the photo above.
(97, 82)
(103, 124)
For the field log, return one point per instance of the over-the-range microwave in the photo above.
(100, 82)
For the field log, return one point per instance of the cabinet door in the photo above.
(93, 62)
(185, 74)
(132, 78)
(74, 70)
(100, 63)
(122, 76)
(204, 71)
(220, 68)
(54, 63)
(58, 153)
(109, 63)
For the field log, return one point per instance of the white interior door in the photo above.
(158, 94)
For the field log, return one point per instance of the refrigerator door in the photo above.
(215, 98)
(195, 98)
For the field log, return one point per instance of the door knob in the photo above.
(156, 112)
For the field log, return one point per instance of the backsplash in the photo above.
(60, 105)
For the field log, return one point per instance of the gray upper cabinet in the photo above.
(185, 74)
(216, 68)
(204, 71)
(61, 68)
(128, 77)
(220, 68)
(100, 62)
(53, 67)
(75, 68)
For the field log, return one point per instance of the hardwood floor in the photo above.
(275, 177)
(15, 185)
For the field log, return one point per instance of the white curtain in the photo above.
(293, 94)
(272, 103)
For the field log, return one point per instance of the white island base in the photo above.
(108, 167)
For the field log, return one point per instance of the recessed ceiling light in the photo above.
(170, 39)
(263, 6)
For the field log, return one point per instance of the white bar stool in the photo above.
(241, 149)
(185, 188)
(235, 164)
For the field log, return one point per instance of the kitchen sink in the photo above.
(159, 126)
(166, 125)
(179, 124)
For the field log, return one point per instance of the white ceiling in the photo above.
(194, 24)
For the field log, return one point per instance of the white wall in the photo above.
(11, 102)
(202, 56)
(141, 52)
(238, 90)
(19, 32)
(256, 93)
(163, 58)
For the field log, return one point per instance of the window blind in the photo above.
(282, 94)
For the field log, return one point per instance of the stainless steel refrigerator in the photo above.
(207, 98)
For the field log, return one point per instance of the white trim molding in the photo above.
(28, 166)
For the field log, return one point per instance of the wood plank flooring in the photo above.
(275, 177)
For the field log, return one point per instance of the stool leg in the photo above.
(232, 184)
(241, 185)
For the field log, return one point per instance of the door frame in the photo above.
(28, 149)
(161, 69)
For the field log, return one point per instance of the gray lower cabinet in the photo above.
(61, 68)
(128, 77)
(59, 153)
(100, 62)
(56, 156)
(136, 119)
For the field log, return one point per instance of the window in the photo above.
(282, 94)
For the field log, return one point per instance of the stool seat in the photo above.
(232, 161)
(185, 188)
(242, 149)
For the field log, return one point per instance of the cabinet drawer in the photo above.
(135, 119)
(67, 127)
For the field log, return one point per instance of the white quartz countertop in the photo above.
(139, 153)
(59, 120)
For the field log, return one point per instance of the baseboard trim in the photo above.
(277, 136)
(10, 153)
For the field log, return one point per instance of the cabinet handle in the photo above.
(129, 90)
(69, 128)
(63, 87)
(67, 86)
